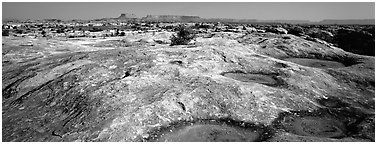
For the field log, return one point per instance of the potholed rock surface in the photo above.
(220, 130)
(83, 90)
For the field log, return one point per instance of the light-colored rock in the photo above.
(91, 93)
(282, 30)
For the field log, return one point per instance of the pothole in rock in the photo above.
(323, 123)
(223, 130)
(316, 126)
(266, 79)
(316, 63)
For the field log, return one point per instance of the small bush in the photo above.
(122, 34)
(43, 33)
(19, 31)
(60, 30)
(183, 36)
(5, 32)
(95, 29)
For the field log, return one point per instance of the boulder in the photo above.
(296, 30)
(278, 30)
(281, 30)
(321, 34)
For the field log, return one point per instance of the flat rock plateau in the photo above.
(227, 87)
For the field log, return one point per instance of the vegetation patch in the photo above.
(183, 36)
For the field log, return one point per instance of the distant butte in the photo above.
(183, 18)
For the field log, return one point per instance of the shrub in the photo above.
(95, 29)
(122, 34)
(60, 30)
(43, 33)
(19, 31)
(183, 36)
(116, 32)
(5, 32)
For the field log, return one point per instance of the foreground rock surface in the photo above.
(75, 90)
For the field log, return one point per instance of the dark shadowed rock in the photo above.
(296, 30)
(358, 42)
(321, 34)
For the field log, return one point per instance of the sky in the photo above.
(313, 11)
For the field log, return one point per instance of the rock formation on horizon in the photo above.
(127, 16)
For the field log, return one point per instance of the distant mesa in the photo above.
(171, 18)
(130, 17)
(126, 16)
(286, 21)
(348, 21)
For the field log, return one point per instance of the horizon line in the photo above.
(189, 15)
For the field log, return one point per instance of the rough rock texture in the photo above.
(358, 39)
(321, 34)
(296, 30)
(89, 93)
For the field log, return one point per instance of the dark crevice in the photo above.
(53, 133)
(262, 41)
(177, 62)
(13, 73)
(281, 65)
(182, 106)
(222, 54)
(223, 57)
(20, 99)
(11, 89)
(126, 74)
